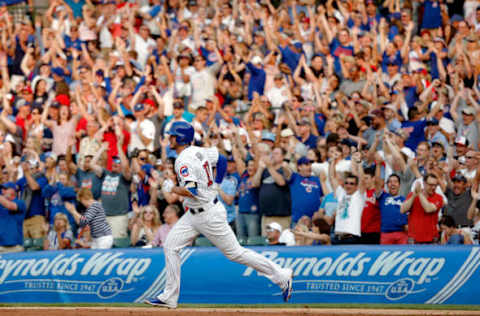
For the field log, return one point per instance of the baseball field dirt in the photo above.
(150, 311)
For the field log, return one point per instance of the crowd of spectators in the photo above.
(344, 121)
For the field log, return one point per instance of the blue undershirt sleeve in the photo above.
(221, 168)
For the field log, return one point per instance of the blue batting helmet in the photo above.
(183, 131)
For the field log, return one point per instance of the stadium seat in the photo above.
(203, 242)
(242, 241)
(34, 244)
(27, 243)
(257, 241)
(122, 242)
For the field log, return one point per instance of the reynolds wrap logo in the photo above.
(395, 274)
(104, 274)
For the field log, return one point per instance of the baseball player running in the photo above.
(205, 215)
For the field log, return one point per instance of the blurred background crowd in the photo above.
(344, 121)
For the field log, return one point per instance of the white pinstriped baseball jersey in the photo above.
(195, 164)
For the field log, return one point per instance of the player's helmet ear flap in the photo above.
(183, 132)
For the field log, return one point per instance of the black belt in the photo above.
(199, 210)
(342, 236)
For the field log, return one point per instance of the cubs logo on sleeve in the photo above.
(184, 171)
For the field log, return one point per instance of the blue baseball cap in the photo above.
(267, 135)
(138, 107)
(456, 18)
(303, 161)
(298, 44)
(9, 185)
(58, 71)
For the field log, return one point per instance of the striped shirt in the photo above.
(95, 217)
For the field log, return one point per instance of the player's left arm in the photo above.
(217, 161)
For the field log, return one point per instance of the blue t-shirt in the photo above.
(210, 56)
(306, 193)
(411, 95)
(311, 141)
(187, 116)
(363, 27)
(229, 186)
(37, 203)
(289, 57)
(336, 49)
(69, 43)
(248, 196)
(391, 218)
(329, 204)
(257, 80)
(76, 7)
(57, 195)
(434, 66)
(432, 17)
(396, 58)
(88, 179)
(12, 224)
(320, 121)
(416, 131)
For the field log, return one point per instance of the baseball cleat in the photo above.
(156, 302)
(287, 290)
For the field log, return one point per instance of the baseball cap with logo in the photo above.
(267, 135)
(286, 132)
(303, 161)
(461, 140)
(468, 111)
(459, 177)
(138, 107)
(274, 226)
(257, 60)
(9, 185)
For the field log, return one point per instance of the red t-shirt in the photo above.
(371, 213)
(81, 126)
(20, 121)
(112, 151)
(422, 226)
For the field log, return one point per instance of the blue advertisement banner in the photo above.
(347, 274)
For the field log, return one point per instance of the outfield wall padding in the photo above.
(323, 274)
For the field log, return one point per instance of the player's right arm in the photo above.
(186, 176)
(182, 192)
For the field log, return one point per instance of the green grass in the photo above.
(365, 306)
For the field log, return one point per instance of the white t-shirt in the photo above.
(183, 88)
(147, 129)
(288, 237)
(143, 48)
(203, 85)
(342, 166)
(349, 212)
(277, 96)
(195, 164)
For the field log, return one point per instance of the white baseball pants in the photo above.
(104, 242)
(211, 223)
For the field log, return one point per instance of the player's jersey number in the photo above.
(206, 167)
